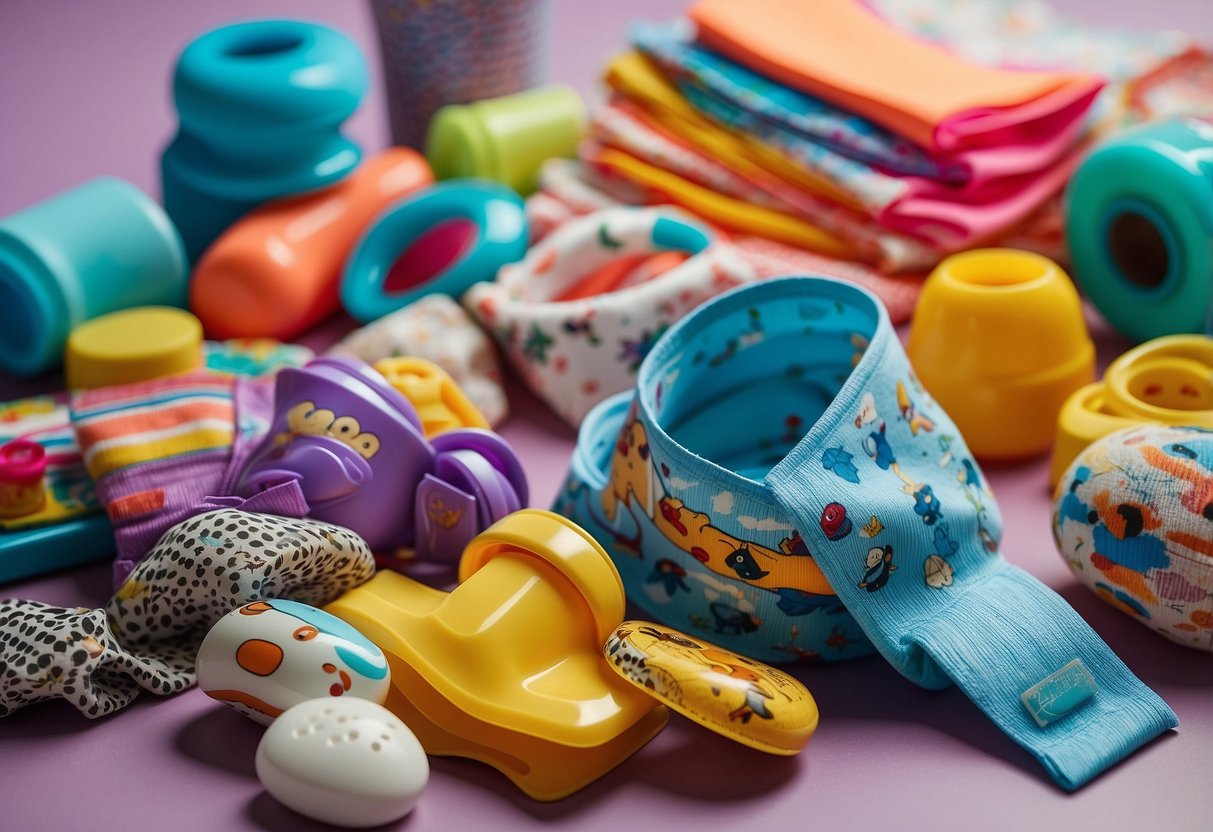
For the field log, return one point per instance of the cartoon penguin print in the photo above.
(879, 563)
(743, 563)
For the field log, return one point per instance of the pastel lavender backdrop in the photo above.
(84, 91)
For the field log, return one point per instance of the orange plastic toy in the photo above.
(276, 272)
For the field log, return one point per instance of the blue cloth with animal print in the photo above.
(782, 481)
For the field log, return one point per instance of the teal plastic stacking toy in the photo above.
(1140, 228)
(94, 249)
(260, 106)
(506, 139)
(441, 239)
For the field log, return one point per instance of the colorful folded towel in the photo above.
(938, 216)
(784, 109)
(664, 187)
(950, 217)
(841, 52)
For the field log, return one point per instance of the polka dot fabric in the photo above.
(147, 636)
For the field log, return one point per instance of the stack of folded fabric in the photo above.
(822, 126)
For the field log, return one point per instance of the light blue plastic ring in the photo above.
(500, 237)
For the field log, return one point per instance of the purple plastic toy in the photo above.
(355, 446)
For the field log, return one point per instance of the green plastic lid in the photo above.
(506, 139)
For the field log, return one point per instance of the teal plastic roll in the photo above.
(94, 249)
(1140, 228)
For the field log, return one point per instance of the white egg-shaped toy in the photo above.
(343, 761)
(266, 656)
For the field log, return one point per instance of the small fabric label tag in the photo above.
(1059, 693)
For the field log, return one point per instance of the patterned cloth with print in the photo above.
(147, 636)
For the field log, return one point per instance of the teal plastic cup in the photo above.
(97, 248)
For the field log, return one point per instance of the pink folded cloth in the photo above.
(953, 219)
(946, 217)
(622, 124)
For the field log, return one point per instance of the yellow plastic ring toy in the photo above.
(441, 404)
(1167, 381)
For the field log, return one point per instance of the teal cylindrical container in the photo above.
(260, 106)
(97, 248)
(1139, 222)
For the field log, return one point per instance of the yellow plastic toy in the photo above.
(132, 345)
(508, 667)
(439, 401)
(998, 339)
(1168, 381)
(745, 700)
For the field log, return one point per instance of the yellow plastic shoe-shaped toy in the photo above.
(528, 665)
(1167, 381)
(507, 668)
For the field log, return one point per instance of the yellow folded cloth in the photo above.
(634, 76)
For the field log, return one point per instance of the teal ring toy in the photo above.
(500, 237)
(1139, 225)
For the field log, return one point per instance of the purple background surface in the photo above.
(84, 91)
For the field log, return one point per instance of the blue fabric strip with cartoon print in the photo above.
(783, 482)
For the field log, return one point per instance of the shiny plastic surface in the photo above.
(276, 272)
(267, 656)
(506, 139)
(999, 340)
(348, 762)
(413, 229)
(742, 699)
(354, 447)
(22, 469)
(1139, 224)
(132, 345)
(440, 403)
(506, 668)
(96, 248)
(1168, 381)
(260, 105)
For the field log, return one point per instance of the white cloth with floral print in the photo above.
(575, 352)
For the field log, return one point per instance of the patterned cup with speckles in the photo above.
(438, 52)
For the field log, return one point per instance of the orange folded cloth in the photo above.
(840, 51)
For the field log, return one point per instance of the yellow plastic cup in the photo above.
(999, 340)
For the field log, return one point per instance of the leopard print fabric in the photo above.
(147, 636)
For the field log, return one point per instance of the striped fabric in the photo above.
(182, 416)
(157, 450)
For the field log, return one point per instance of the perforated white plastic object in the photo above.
(346, 761)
